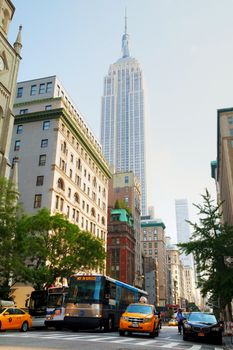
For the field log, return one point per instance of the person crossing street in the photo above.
(180, 317)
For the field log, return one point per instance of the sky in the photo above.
(185, 49)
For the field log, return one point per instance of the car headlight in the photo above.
(125, 318)
(147, 319)
(187, 326)
(215, 329)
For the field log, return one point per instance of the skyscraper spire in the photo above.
(125, 21)
(125, 41)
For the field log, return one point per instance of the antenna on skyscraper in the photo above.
(125, 40)
(125, 20)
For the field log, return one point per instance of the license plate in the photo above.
(201, 334)
(134, 324)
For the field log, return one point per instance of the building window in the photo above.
(48, 107)
(19, 129)
(61, 184)
(42, 89)
(42, 159)
(44, 143)
(126, 179)
(23, 111)
(20, 92)
(17, 145)
(33, 90)
(69, 192)
(37, 200)
(15, 160)
(61, 204)
(39, 180)
(46, 125)
(49, 87)
(76, 198)
(231, 132)
(230, 120)
(57, 202)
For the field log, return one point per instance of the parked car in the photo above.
(202, 325)
(14, 318)
(172, 322)
(140, 318)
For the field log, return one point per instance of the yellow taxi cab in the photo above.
(12, 317)
(172, 322)
(139, 318)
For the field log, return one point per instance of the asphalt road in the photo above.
(42, 339)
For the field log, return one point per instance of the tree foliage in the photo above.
(56, 248)
(120, 204)
(37, 249)
(210, 242)
(8, 219)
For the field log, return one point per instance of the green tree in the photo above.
(8, 219)
(211, 240)
(120, 204)
(56, 248)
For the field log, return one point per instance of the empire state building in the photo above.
(123, 117)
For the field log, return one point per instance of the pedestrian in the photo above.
(180, 317)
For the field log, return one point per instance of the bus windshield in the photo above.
(82, 291)
(55, 300)
(38, 299)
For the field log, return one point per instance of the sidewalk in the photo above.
(227, 342)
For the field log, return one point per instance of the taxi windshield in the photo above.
(139, 309)
(2, 309)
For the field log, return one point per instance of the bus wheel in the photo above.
(108, 327)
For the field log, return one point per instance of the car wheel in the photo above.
(185, 336)
(152, 334)
(121, 333)
(24, 327)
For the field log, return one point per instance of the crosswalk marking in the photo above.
(158, 343)
(121, 340)
(147, 342)
(103, 338)
(170, 345)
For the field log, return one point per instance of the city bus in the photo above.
(44, 302)
(55, 311)
(97, 301)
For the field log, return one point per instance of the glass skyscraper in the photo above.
(183, 228)
(123, 117)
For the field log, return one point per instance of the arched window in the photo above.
(61, 184)
(93, 212)
(76, 197)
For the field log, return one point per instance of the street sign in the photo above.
(228, 260)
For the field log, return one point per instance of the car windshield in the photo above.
(202, 317)
(139, 309)
(2, 309)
